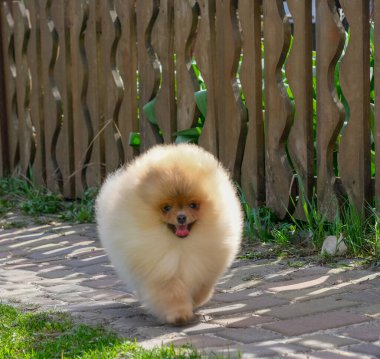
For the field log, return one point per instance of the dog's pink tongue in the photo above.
(182, 231)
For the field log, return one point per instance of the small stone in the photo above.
(334, 246)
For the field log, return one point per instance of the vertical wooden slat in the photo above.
(253, 169)
(185, 24)
(52, 50)
(299, 74)
(205, 55)
(9, 124)
(4, 134)
(36, 94)
(101, 85)
(163, 44)
(51, 100)
(232, 116)
(330, 111)
(149, 69)
(127, 64)
(278, 109)
(354, 164)
(93, 175)
(76, 21)
(65, 141)
(377, 101)
(113, 90)
(23, 86)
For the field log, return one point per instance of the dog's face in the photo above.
(174, 197)
(180, 214)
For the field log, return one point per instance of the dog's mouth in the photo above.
(181, 230)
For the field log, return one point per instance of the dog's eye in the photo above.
(193, 205)
(166, 208)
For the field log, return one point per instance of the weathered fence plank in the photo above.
(278, 109)
(185, 26)
(77, 14)
(330, 111)
(4, 141)
(94, 171)
(232, 115)
(113, 90)
(354, 165)
(149, 69)
(11, 121)
(253, 168)
(299, 74)
(36, 93)
(127, 65)
(205, 56)
(163, 44)
(58, 124)
(23, 86)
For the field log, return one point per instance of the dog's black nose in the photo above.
(181, 218)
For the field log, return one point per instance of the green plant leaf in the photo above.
(134, 139)
(149, 111)
(201, 101)
(190, 132)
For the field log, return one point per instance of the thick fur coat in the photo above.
(171, 223)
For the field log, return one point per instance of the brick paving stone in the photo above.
(370, 310)
(247, 335)
(319, 292)
(46, 303)
(323, 341)
(230, 352)
(228, 297)
(95, 269)
(88, 306)
(270, 349)
(296, 284)
(202, 341)
(242, 321)
(316, 322)
(367, 332)
(84, 251)
(59, 273)
(65, 251)
(112, 314)
(125, 323)
(263, 301)
(108, 282)
(328, 354)
(90, 261)
(27, 293)
(369, 296)
(372, 350)
(201, 328)
(101, 294)
(306, 308)
(353, 276)
(67, 288)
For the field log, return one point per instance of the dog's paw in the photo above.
(180, 316)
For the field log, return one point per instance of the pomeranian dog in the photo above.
(171, 223)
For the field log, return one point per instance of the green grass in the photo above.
(25, 335)
(21, 195)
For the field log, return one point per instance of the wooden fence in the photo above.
(77, 74)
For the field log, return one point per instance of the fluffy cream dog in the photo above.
(171, 223)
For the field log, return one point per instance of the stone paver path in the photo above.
(261, 309)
